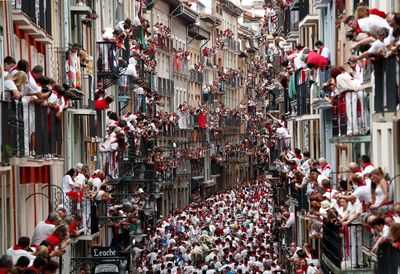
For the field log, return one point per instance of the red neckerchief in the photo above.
(48, 222)
(31, 74)
(357, 30)
(328, 190)
(367, 165)
(95, 176)
(298, 156)
(17, 247)
(357, 170)
(326, 167)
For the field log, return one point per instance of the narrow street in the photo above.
(200, 136)
(234, 231)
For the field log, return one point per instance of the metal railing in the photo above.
(342, 246)
(351, 114)
(39, 12)
(387, 74)
(31, 129)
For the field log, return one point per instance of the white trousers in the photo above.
(351, 113)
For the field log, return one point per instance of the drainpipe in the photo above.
(10, 29)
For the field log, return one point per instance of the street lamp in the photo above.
(147, 208)
(138, 234)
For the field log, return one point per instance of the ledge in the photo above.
(80, 9)
(82, 111)
(86, 237)
(25, 24)
(351, 139)
(309, 20)
(30, 162)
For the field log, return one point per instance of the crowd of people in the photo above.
(234, 231)
(363, 197)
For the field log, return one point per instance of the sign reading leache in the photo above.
(104, 252)
(108, 263)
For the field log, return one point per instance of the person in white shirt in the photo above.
(378, 225)
(354, 213)
(366, 165)
(325, 169)
(45, 228)
(80, 178)
(21, 249)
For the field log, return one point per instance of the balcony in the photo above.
(164, 86)
(185, 13)
(35, 20)
(108, 64)
(198, 32)
(164, 44)
(196, 76)
(341, 250)
(233, 45)
(81, 7)
(231, 8)
(229, 122)
(181, 66)
(33, 130)
(351, 119)
(386, 97)
(299, 197)
(233, 82)
(320, 4)
(301, 105)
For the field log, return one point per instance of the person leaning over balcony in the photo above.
(369, 26)
(103, 103)
(382, 231)
(379, 190)
(59, 239)
(348, 86)
(9, 64)
(377, 48)
(14, 86)
(45, 228)
(22, 248)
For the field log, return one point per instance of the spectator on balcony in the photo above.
(379, 190)
(45, 228)
(369, 25)
(14, 86)
(377, 48)
(347, 86)
(382, 231)
(322, 72)
(366, 165)
(9, 64)
(103, 103)
(325, 168)
(71, 190)
(354, 236)
(22, 248)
